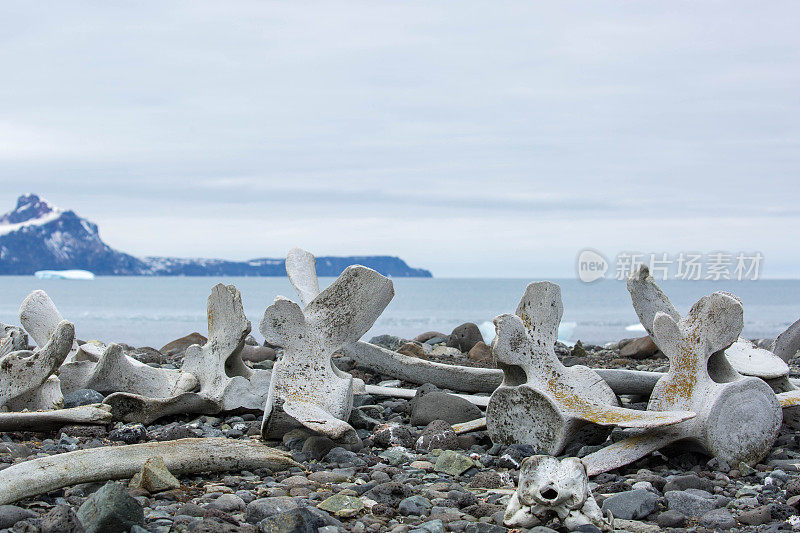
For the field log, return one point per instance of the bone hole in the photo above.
(719, 369)
(514, 374)
(549, 493)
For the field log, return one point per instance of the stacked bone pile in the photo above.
(319, 431)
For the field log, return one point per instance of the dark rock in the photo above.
(414, 506)
(11, 514)
(465, 336)
(257, 354)
(480, 352)
(513, 455)
(437, 405)
(428, 335)
(343, 457)
(130, 434)
(147, 355)
(438, 434)
(480, 510)
(389, 493)
(640, 348)
(671, 518)
(578, 351)
(587, 528)
(361, 420)
(688, 481)
(301, 520)
(178, 346)
(692, 503)
(792, 487)
(61, 519)
(390, 342)
(718, 519)
(387, 435)
(318, 446)
(110, 510)
(262, 508)
(486, 479)
(173, 432)
(80, 397)
(631, 505)
(214, 524)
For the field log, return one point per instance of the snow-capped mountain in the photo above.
(39, 236)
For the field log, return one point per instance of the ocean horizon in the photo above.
(151, 311)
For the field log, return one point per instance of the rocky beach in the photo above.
(409, 470)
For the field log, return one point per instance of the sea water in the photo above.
(151, 311)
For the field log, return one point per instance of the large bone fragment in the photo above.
(306, 387)
(738, 417)
(183, 456)
(541, 402)
(213, 378)
(22, 372)
(44, 420)
(549, 486)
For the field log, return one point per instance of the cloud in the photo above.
(475, 139)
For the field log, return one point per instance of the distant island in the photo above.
(39, 236)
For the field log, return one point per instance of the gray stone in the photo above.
(442, 406)
(343, 457)
(718, 519)
(688, 481)
(82, 397)
(453, 463)
(318, 446)
(300, 520)
(432, 526)
(692, 503)
(464, 337)
(391, 434)
(756, 517)
(390, 342)
(61, 519)
(110, 510)
(259, 509)
(130, 434)
(414, 506)
(671, 518)
(482, 527)
(631, 505)
(228, 503)
(390, 493)
(11, 514)
(178, 346)
(438, 434)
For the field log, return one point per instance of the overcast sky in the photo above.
(474, 139)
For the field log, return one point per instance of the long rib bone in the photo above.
(44, 420)
(738, 417)
(183, 456)
(306, 388)
(541, 402)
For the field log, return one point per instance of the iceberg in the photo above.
(64, 274)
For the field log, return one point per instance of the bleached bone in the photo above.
(43, 398)
(22, 372)
(300, 267)
(225, 383)
(40, 317)
(117, 372)
(742, 356)
(182, 456)
(306, 387)
(548, 486)
(541, 402)
(397, 392)
(13, 339)
(738, 417)
(472, 425)
(44, 420)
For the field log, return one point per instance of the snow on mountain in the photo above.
(39, 236)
